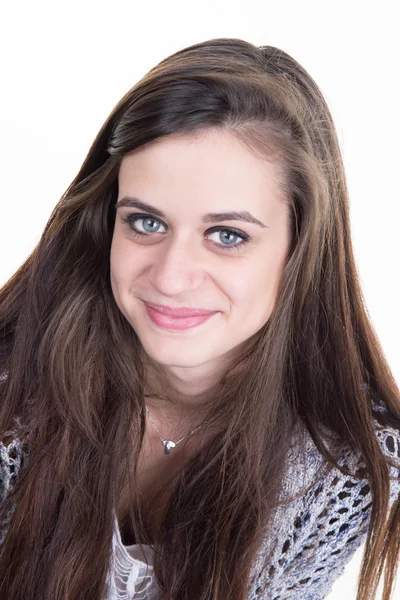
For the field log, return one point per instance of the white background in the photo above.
(64, 66)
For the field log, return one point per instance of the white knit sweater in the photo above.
(131, 576)
(312, 539)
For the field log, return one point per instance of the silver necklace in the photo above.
(168, 444)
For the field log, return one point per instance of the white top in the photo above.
(132, 574)
(309, 541)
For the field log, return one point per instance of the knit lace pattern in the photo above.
(304, 551)
(131, 575)
(313, 538)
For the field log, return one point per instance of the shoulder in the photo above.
(319, 532)
(11, 456)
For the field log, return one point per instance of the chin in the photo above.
(179, 356)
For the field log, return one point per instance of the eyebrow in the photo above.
(131, 202)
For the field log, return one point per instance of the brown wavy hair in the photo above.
(74, 391)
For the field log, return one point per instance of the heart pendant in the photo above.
(168, 444)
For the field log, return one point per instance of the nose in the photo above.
(177, 267)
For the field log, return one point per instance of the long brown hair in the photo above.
(74, 390)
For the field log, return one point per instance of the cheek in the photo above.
(253, 284)
(120, 265)
(119, 275)
(254, 293)
(115, 274)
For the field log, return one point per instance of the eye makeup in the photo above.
(131, 219)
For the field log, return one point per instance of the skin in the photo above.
(182, 264)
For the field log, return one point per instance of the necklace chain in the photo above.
(168, 444)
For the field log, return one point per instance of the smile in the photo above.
(176, 323)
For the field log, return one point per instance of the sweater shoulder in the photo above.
(11, 458)
(314, 537)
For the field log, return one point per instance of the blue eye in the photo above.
(149, 221)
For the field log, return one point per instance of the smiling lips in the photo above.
(178, 318)
(180, 312)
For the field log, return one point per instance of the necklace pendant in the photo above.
(168, 444)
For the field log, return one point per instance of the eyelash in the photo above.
(133, 217)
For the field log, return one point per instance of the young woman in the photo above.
(194, 403)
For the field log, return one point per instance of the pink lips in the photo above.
(178, 318)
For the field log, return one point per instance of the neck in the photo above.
(172, 415)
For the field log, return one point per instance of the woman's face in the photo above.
(185, 258)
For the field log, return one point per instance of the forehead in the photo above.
(210, 167)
